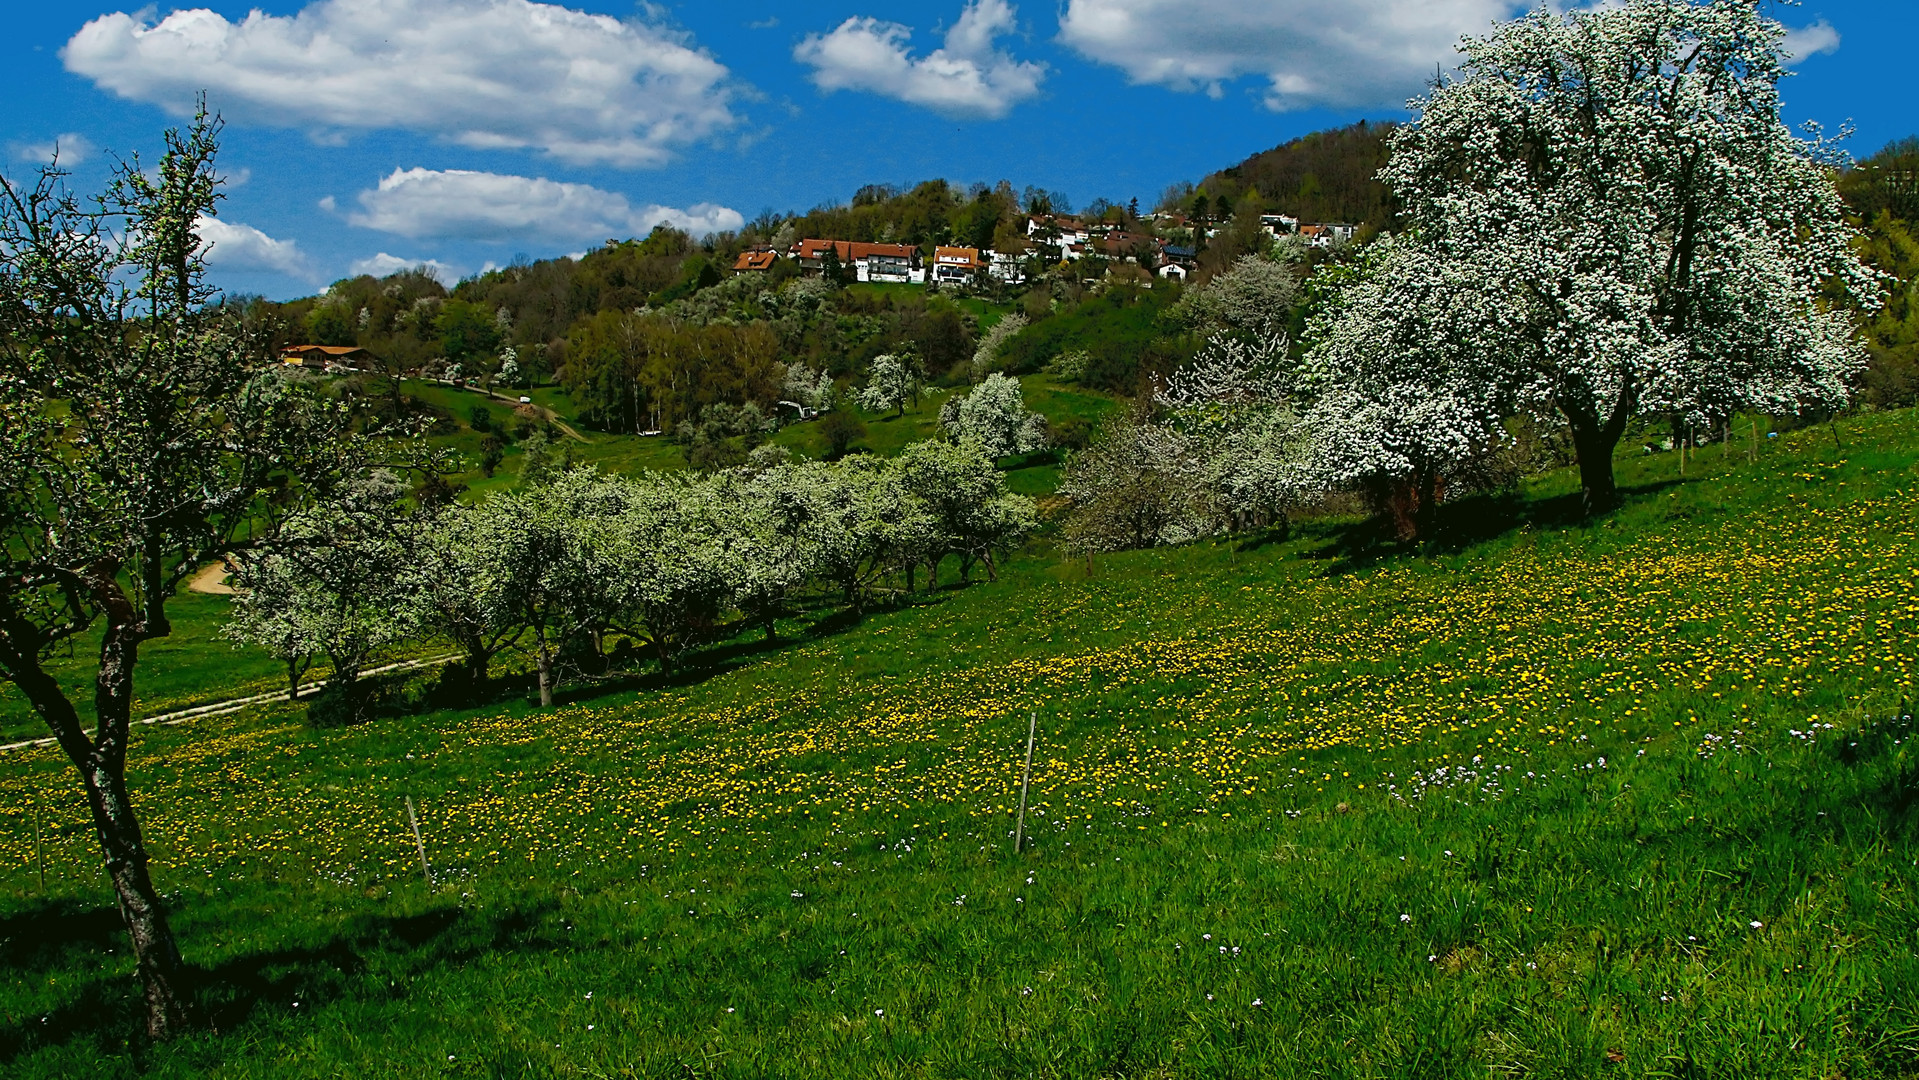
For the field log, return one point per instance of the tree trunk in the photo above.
(545, 662)
(293, 678)
(1598, 492)
(162, 972)
(478, 660)
(1594, 438)
(1428, 489)
(101, 762)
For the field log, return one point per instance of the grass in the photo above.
(886, 434)
(1552, 798)
(191, 667)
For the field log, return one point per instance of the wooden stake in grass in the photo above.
(1026, 777)
(1753, 457)
(414, 820)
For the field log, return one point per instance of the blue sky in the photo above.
(370, 134)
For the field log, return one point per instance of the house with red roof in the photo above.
(871, 262)
(956, 265)
(755, 261)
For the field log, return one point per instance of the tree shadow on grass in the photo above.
(741, 649)
(41, 937)
(108, 1011)
(1353, 545)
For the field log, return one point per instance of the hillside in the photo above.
(1548, 798)
(1325, 176)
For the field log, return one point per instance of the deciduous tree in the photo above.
(994, 416)
(140, 436)
(1650, 235)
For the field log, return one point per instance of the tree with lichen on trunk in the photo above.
(142, 434)
(1650, 236)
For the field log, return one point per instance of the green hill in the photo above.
(1555, 799)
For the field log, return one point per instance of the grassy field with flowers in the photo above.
(1632, 797)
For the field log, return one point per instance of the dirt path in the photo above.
(212, 580)
(542, 412)
(233, 705)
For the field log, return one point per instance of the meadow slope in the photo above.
(1631, 796)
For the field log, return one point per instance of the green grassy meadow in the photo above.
(1553, 798)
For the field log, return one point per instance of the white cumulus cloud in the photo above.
(383, 264)
(1338, 53)
(967, 76)
(460, 204)
(233, 246)
(74, 149)
(1812, 40)
(497, 74)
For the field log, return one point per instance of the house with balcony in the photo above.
(897, 263)
(1327, 236)
(955, 265)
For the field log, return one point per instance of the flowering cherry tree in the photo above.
(994, 415)
(1400, 395)
(1616, 188)
(1235, 409)
(893, 381)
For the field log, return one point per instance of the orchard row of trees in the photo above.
(567, 562)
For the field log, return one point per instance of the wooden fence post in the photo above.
(1026, 777)
(414, 820)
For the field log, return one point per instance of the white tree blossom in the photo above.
(1135, 486)
(330, 583)
(551, 547)
(811, 388)
(675, 557)
(986, 353)
(1401, 398)
(458, 589)
(1252, 299)
(891, 383)
(1234, 405)
(1645, 233)
(956, 503)
(994, 415)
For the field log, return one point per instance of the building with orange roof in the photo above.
(956, 265)
(871, 262)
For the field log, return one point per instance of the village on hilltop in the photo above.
(1054, 238)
